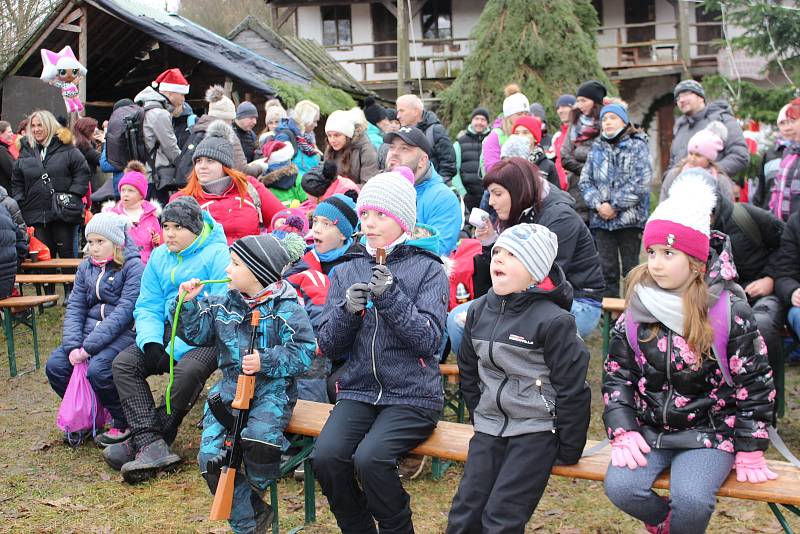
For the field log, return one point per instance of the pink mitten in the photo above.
(751, 467)
(628, 450)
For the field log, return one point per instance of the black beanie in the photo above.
(480, 111)
(317, 180)
(593, 90)
(186, 212)
(373, 112)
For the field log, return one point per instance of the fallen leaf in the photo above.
(40, 446)
(105, 476)
(58, 503)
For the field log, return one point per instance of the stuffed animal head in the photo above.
(62, 66)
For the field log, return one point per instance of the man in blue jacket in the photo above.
(437, 205)
(194, 247)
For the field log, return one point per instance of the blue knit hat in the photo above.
(617, 109)
(341, 211)
(565, 100)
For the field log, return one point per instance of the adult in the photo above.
(530, 127)
(378, 122)
(239, 203)
(564, 106)
(411, 113)
(110, 190)
(86, 138)
(515, 106)
(788, 134)
(194, 247)
(8, 154)
(437, 205)
(298, 130)
(784, 196)
(246, 119)
(173, 85)
(349, 147)
(159, 138)
(51, 170)
(13, 249)
(518, 195)
(690, 98)
(468, 149)
(584, 127)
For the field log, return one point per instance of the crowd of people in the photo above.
(373, 254)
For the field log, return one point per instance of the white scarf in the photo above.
(665, 306)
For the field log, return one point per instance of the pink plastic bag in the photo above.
(80, 411)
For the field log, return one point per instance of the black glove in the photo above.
(382, 280)
(154, 352)
(356, 298)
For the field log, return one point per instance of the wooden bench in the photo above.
(21, 310)
(450, 441)
(58, 263)
(39, 280)
(612, 308)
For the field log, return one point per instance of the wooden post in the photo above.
(403, 70)
(684, 44)
(83, 50)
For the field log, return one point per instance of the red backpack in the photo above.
(463, 269)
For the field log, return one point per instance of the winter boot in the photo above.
(151, 460)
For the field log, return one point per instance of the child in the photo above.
(521, 333)
(145, 230)
(285, 347)
(98, 323)
(679, 393)
(615, 183)
(389, 316)
(704, 148)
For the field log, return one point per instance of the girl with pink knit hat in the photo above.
(688, 385)
(145, 230)
(704, 148)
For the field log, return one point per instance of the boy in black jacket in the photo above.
(523, 377)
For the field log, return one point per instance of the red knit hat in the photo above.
(533, 124)
(172, 80)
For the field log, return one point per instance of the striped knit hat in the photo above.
(534, 245)
(341, 211)
(267, 256)
(393, 194)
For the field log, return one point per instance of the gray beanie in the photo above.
(393, 194)
(534, 245)
(184, 211)
(109, 225)
(246, 109)
(216, 144)
(691, 86)
(267, 256)
(516, 146)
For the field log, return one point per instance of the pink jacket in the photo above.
(142, 232)
(341, 184)
(491, 147)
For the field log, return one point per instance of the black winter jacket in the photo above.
(547, 169)
(394, 344)
(471, 145)
(767, 171)
(753, 260)
(6, 166)
(444, 155)
(788, 267)
(64, 164)
(248, 141)
(675, 401)
(13, 249)
(523, 366)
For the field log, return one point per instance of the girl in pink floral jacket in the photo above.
(688, 385)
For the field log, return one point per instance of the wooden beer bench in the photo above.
(21, 310)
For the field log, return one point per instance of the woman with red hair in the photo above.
(240, 203)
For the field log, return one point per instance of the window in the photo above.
(336, 25)
(437, 20)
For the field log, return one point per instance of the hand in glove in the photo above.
(77, 356)
(627, 450)
(382, 280)
(155, 352)
(356, 298)
(751, 467)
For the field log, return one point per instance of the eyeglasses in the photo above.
(322, 224)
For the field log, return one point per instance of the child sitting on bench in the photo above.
(523, 377)
(286, 346)
(688, 386)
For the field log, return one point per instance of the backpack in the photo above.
(251, 190)
(125, 136)
(463, 270)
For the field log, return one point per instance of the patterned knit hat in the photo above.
(267, 256)
(186, 212)
(109, 225)
(516, 146)
(219, 105)
(392, 194)
(534, 245)
(691, 86)
(216, 144)
(341, 211)
(683, 221)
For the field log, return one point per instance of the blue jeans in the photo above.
(587, 316)
(793, 320)
(695, 477)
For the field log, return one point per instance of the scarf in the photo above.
(651, 304)
(261, 296)
(305, 142)
(218, 186)
(780, 201)
(335, 254)
(585, 130)
(388, 248)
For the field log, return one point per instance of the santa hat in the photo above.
(172, 80)
(277, 152)
(683, 221)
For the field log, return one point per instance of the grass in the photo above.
(47, 487)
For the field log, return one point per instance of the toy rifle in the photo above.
(229, 461)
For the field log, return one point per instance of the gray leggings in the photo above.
(695, 477)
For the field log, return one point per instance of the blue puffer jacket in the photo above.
(285, 342)
(394, 344)
(206, 258)
(620, 174)
(100, 309)
(438, 206)
(375, 135)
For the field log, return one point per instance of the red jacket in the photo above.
(558, 140)
(238, 216)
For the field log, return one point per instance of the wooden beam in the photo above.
(390, 7)
(37, 44)
(416, 8)
(72, 17)
(83, 49)
(402, 48)
(684, 48)
(69, 28)
(285, 17)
